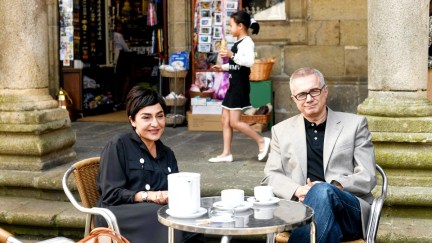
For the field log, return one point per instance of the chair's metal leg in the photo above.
(271, 237)
(170, 235)
(87, 224)
(312, 231)
(226, 239)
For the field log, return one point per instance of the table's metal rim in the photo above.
(233, 231)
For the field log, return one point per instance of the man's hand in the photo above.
(303, 190)
(337, 184)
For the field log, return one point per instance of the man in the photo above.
(324, 159)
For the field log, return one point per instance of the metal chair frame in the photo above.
(376, 208)
(374, 215)
(89, 209)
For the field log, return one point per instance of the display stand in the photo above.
(210, 28)
(174, 118)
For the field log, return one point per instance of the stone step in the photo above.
(34, 184)
(37, 217)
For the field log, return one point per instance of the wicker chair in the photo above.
(84, 173)
(374, 217)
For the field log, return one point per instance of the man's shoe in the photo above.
(220, 159)
(264, 153)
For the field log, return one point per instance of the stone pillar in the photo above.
(34, 133)
(399, 114)
(179, 36)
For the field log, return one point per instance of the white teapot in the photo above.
(184, 192)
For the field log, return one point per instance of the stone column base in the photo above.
(36, 139)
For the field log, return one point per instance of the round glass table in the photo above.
(248, 219)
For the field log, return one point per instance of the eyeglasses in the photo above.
(313, 93)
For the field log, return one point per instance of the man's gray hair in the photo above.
(306, 71)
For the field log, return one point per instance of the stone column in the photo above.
(399, 114)
(179, 36)
(34, 133)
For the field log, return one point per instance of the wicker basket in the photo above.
(178, 74)
(262, 119)
(260, 71)
(172, 119)
(201, 94)
(175, 102)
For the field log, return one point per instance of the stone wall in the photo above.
(330, 35)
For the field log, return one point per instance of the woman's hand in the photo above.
(159, 197)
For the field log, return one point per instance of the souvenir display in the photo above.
(211, 26)
(211, 33)
(66, 32)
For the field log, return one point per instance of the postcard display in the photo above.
(211, 27)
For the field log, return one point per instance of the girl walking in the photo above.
(241, 58)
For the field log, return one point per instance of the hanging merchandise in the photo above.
(126, 10)
(153, 41)
(151, 15)
(160, 41)
(66, 32)
(144, 7)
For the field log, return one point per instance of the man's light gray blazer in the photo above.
(348, 157)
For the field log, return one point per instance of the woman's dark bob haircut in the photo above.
(139, 97)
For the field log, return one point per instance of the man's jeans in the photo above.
(337, 215)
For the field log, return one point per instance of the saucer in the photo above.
(273, 200)
(200, 212)
(245, 205)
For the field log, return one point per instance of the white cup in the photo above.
(232, 197)
(263, 193)
(263, 213)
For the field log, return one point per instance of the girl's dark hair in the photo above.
(139, 97)
(242, 17)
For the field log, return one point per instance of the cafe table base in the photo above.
(252, 220)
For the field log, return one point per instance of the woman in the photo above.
(134, 169)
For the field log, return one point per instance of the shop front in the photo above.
(108, 46)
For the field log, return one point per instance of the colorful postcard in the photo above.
(231, 5)
(217, 33)
(229, 13)
(204, 39)
(205, 22)
(205, 13)
(205, 30)
(204, 47)
(217, 6)
(216, 45)
(218, 19)
(205, 4)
